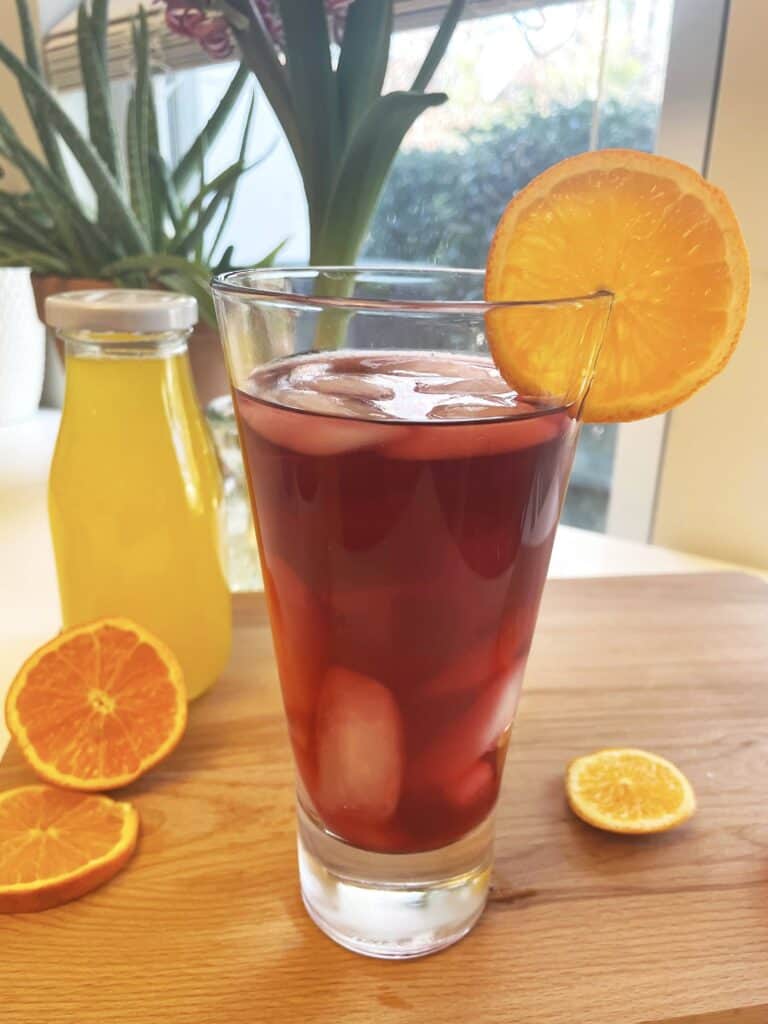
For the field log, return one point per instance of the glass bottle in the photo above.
(135, 491)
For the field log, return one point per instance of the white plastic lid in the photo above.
(130, 310)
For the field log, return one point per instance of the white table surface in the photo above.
(29, 611)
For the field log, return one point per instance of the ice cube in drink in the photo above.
(406, 506)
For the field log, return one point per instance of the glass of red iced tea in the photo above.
(406, 498)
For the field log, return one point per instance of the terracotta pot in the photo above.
(207, 361)
(50, 284)
(205, 354)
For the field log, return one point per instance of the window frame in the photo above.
(685, 129)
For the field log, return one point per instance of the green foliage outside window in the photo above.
(441, 205)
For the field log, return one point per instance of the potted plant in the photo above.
(321, 64)
(147, 224)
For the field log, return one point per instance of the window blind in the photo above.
(172, 52)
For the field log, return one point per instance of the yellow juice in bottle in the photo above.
(134, 501)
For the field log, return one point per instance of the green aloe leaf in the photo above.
(225, 263)
(170, 202)
(193, 285)
(45, 133)
(439, 45)
(364, 170)
(193, 240)
(27, 205)
(29, 37)
(21, 230)
(176, 272)
(363, 59)
(240, 160)
(162, 192)
(203, 191)
(101, 124)
(315, 99)
(136, 180)
(269, 259)
(145, 129)
(155, 263)
(72, 227)
(190, 162)
(221, 182)
(122, 219)
(99, 26)
(40, 262)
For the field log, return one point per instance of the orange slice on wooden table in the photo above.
(629, 791)
(56, 845)
(653, 232)
(98, 705)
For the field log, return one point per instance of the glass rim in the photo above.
(229, 283)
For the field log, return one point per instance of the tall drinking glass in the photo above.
(406, 499)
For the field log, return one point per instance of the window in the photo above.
(526, 89)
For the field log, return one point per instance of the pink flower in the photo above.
(212, 32)
(267, 13)
(337, 16)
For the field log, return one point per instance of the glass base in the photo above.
(393, 906)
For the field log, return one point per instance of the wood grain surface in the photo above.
(206, 925)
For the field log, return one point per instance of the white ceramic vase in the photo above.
(22, 347)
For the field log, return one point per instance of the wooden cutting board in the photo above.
(206, 925)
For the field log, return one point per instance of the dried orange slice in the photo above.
(629, 790)
(56, 845)
(658, 236)
(98, 705)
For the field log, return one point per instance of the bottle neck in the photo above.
(124, 345)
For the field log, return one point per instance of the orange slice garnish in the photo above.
(56, 845)
(658, 236)
(98, 705)
(629, 791)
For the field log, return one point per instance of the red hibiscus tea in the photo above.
(406, 505)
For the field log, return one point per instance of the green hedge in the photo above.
(441, 206)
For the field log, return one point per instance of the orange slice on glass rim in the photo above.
(653, 232)
(98, 705)
(56, 845)
(629, 791)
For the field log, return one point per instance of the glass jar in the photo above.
(135, 495)
(405, 501)
(242, 549)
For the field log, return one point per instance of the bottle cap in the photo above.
(124, 310)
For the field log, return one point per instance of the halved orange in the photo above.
(98, 705)
(629, 791)
(56, 845)
(653, 232)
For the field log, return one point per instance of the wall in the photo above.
(713, 493)
(12, 101)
